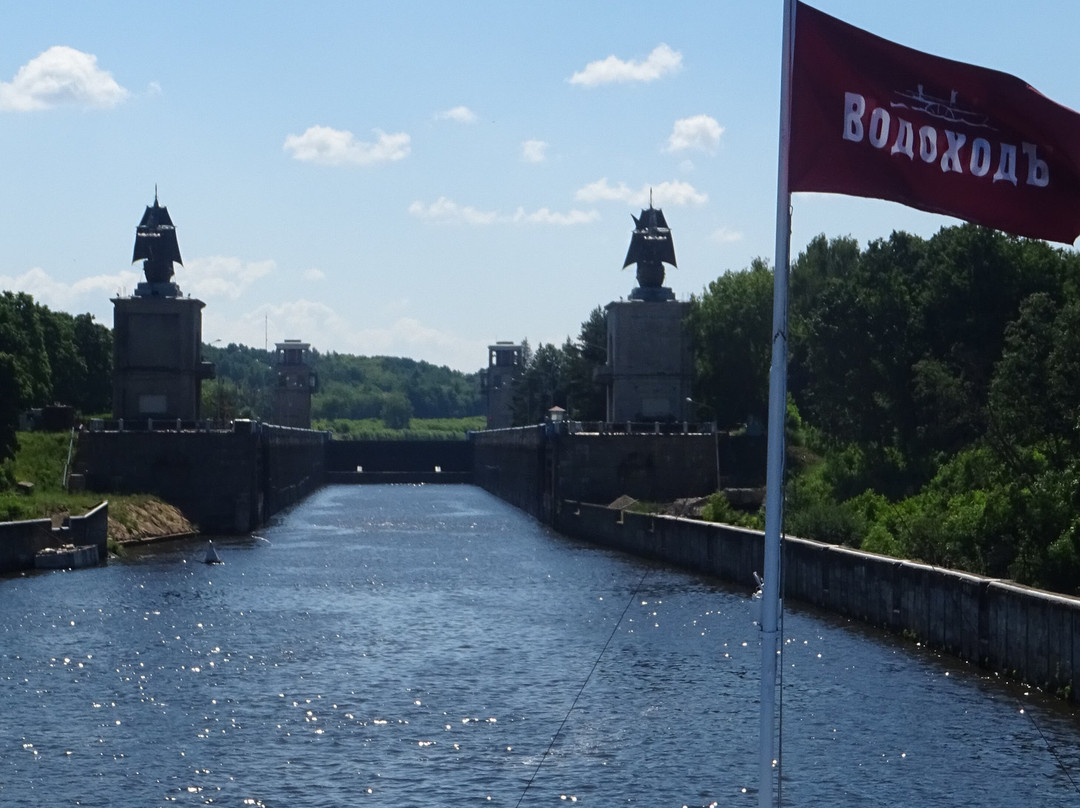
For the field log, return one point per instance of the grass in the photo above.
(40, 460)
(418, 429)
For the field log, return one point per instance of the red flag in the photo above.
(876, 119)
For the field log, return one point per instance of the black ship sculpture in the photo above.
(650, 248)
(157, 248)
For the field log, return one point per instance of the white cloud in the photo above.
(220, 277)
(313, 274)
(723, 235)
(60, 76)
(699, 132)
(601, 191)
(666, 193)
(446, 210)
(457, 114)
(534, 151)
(71, 296)
(661, 61)
(545, 216)
(334, 147)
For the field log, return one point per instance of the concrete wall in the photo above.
(600, 467)
(1022, 633)
(225, 482)
(293, 464)
(399, 455)
(534, 467)
(511, 464)
(21, 541)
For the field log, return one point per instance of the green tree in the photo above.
(67, 366)
(9, 409)
(541, 386)
(730, 326)
(94, 344)
(22, 338)
(586, 399)
(396, 411)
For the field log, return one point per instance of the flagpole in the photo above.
(774, 494)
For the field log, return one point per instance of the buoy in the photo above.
(212, 556)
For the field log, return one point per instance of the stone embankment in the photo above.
(21, 542)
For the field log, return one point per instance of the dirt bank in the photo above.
(130, 520)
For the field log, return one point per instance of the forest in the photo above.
(50, 357)
(350, 388)
(934, 395)
(46, 357)
(934, 391)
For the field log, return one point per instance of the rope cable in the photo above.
(555, 737)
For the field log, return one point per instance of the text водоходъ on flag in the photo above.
(875, 119)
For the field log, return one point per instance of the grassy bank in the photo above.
(40, 462)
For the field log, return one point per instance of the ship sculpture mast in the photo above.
(650, 248)
(156, 246)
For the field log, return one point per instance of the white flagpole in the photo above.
(774, 494)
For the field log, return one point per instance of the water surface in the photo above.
(424, 645)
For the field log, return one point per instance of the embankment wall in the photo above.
(224, 482)
(535, 467)
(21, 541)
(1022, 633)
(512, 464)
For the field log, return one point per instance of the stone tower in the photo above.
(157, 334)
(296, 382)
(505, 364)
(649, 363)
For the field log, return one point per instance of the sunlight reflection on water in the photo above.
(399, 642)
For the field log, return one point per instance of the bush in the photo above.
(812, 512)
(719, 509)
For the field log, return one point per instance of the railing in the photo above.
(623, 428)
(637, 427)
(162, 425)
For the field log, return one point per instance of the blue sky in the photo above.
(423, 179)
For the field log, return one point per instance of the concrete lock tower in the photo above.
(296, 382)
(157, 334)
(649, 366)
(505, 361)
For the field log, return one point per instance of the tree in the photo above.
(586, 399)
(730, 326)
(67, 365)
(9, 407)
(396, 411)
(22, 338)
(541, 386)
(94, 344)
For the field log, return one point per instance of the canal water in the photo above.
(430, 645)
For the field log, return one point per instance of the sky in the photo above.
(423, 179)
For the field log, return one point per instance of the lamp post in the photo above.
(716, 437)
